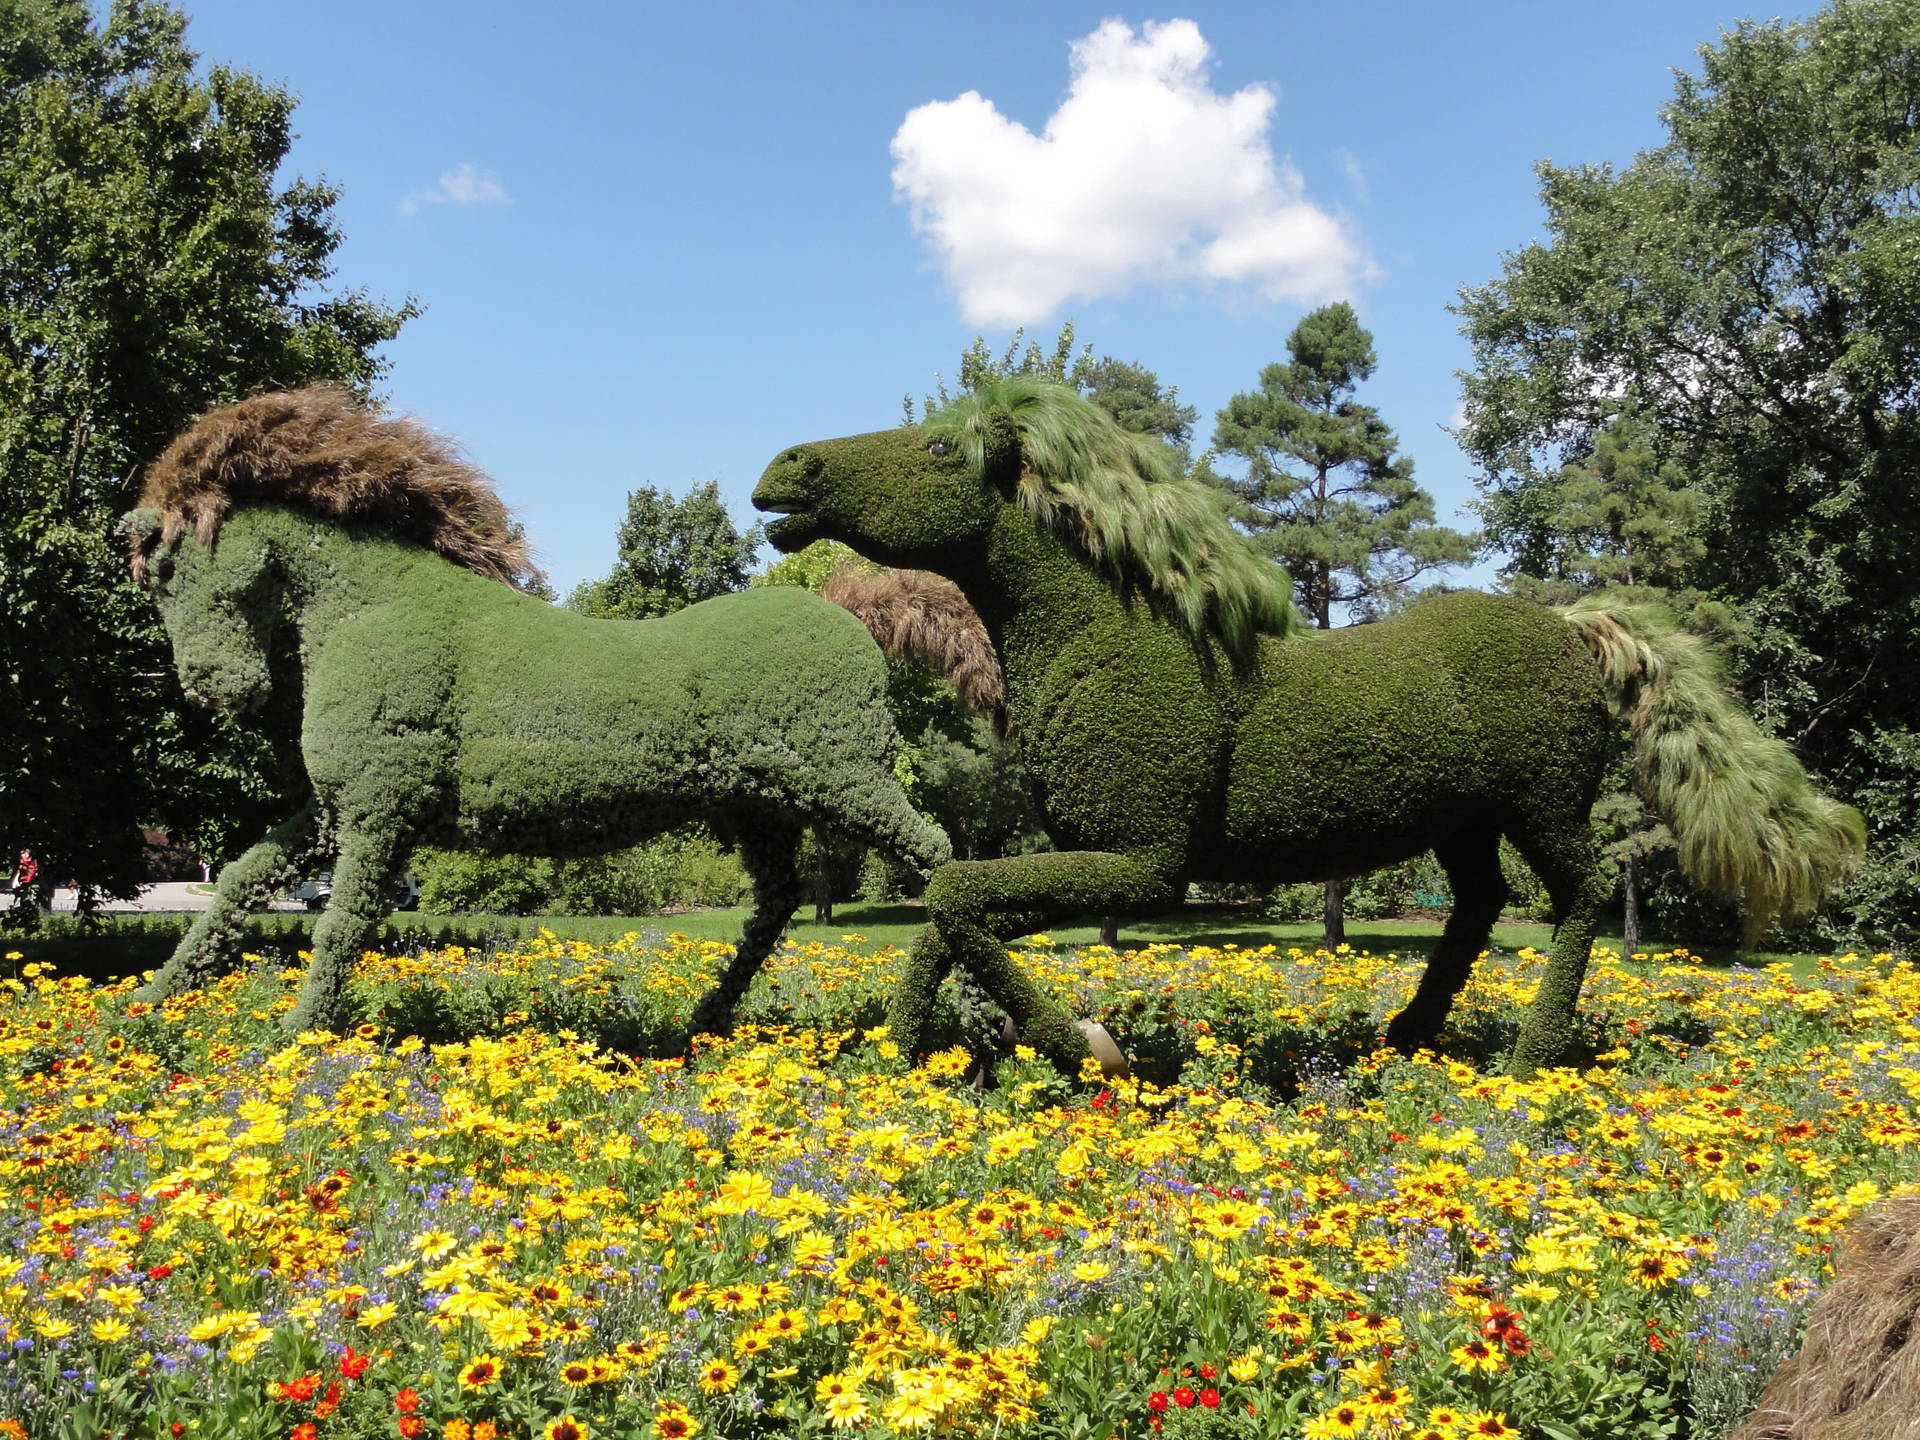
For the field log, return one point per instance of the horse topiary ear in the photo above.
(1000, 448)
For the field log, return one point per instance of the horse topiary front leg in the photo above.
(363, 880)
(978, 905)
(769, 853)
(208, 948)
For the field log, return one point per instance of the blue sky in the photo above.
(657, 243)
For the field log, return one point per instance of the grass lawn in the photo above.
(128, 944)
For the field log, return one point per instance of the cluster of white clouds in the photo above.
(465, 184)
(1145, 174)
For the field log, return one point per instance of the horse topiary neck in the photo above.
(1035, 594)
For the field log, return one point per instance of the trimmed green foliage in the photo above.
(444, 708)
(1158, 758)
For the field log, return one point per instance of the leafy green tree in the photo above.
(1126, 390)
(671, 554)
(1618, 516)
(1748, 288)
(152, 264)
(1134, 396)
(1319, 484)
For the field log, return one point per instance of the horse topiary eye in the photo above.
(939, 449)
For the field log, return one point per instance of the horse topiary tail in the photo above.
(1746, 819)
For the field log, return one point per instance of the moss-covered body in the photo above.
(443, 707)
(1166, 747)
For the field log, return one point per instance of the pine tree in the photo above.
(1318, 481)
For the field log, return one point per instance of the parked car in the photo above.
(316, 892)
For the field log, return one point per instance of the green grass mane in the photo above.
(1126, 503)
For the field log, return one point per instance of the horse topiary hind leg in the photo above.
(207, 950)
(770, 853)
(1567, 865)
(980, 904)
(363, 879)
(1479, 890)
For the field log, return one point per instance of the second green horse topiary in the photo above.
(1176, 727)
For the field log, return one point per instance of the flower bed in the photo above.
(505, 1230)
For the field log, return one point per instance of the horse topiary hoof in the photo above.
(1113, 1064)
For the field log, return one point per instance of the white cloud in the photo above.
(1145, 174)
(465, 184)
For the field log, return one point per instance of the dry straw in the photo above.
(915, 614)
(1857, 1377)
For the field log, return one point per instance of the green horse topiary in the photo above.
(1176, 726)
(302, 539)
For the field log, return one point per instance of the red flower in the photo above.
(1210, 1398)
(1503, 1325)
(1184, 1398)
(411, 1425)
(1209, 1372)
(305, 1430)
(1157, 1402)
(407, 1401)
(354, 1366)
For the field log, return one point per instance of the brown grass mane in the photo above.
(917, 614)
(1857, 1376)
(322, 451)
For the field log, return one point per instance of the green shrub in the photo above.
(682, 867)
(458, 882)
(1525, 891)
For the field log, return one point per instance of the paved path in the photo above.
(170, 897)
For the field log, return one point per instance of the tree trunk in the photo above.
(1630, 888)
(1336, 914)
(822, 879)
(1110, 931)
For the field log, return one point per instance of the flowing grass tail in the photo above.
(1747, 820)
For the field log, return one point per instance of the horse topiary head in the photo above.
(320, 452)
(220, 608)
(929, 496)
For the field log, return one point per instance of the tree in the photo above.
(1134, 396)
(1320, 486)
(1748, 288)
(1125, 389)
(150, 266)
(671, 554)
(1619, 516)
